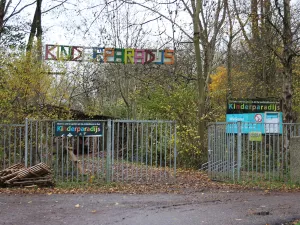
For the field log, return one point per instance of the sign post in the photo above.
(109, 148)
(239, 149)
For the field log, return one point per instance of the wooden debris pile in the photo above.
(18, 175)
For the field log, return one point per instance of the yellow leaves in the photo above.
(219, 79)
(91, 179)
(26, 83)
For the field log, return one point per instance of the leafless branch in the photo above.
(278, 9)
(296, 29)
(187, 8)
(241, 23)
(96, 17)
(17, 12)
(55, 6)
(7, 6)
(162, 15)
(148, 21)
(275, 52)
(275, 28)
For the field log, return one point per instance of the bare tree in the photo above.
(36, 30)
(207, 19)
(286, 55)
(6, 13)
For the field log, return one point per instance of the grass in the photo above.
(78, 185)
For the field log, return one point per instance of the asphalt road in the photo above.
(161, 209)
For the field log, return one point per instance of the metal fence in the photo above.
(11, 144)
(127, 151)
(235, 156)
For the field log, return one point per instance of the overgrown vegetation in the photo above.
(224, 49)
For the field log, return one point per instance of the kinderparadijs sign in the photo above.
(252, 106)
(255, 115)
(78, 128)
(109, 55)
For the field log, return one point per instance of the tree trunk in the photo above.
(287, 93)
(200, 78)
(229, 67)
(2, 14)
(267, 62)
(254, 20)
(287, 58)
(36, 30)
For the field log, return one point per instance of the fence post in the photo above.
(239, 148)
(26, 143)
(175, 150)
(108, 157)
(209, 150)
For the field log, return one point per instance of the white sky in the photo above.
(66, 27)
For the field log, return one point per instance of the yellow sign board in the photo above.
(255, 136)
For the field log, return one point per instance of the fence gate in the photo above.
(125, 150)
(235, 155)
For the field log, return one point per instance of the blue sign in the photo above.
(266, 123)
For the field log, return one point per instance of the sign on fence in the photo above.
(256, 115)
(78, 128)
(255, 136)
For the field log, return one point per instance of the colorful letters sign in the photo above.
(109, 55)
(78, 128)
(252, 106)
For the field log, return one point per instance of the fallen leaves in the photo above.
(187, 181)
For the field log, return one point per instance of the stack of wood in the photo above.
(18, 175)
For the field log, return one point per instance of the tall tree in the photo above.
(286, 57)
(207, 19)
(10, 30)
(36, 30)
(6, 14)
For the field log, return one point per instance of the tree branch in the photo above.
(296, 29)
(7, 6)
(55, 6)
(15, 13)
(145, 22)
(162, 15)
(187, 8)
(241, 23)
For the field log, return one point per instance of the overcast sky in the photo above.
(68, 27)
